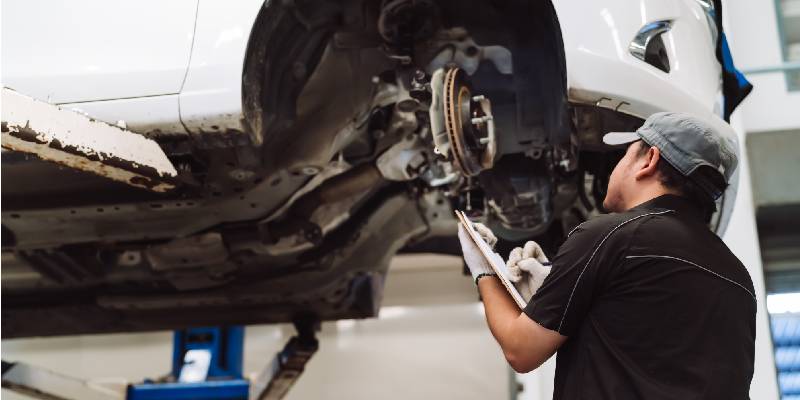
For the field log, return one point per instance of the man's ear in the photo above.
(648, 166)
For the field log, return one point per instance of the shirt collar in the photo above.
(679, 204)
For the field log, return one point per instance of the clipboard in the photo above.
(495, 261)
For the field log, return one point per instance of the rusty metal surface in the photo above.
(77, 141)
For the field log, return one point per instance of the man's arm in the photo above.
(559, 307)
(525, 343)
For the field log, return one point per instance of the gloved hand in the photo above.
(486, 233)
(528, 266)
(476, 263)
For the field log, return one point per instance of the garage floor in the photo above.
(441, 349)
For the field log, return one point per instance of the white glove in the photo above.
(528, 266)
(486, 233)
(477, 264)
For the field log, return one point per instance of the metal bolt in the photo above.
(309, 170)
(478, 97)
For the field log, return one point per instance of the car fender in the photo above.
(211, 97)
(602, 71)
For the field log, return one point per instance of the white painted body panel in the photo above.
(77, 51)
(156, 116)
(212, 94)
(601, 70)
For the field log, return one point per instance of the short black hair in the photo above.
(685, 186)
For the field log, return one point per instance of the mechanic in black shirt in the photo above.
(646, 302)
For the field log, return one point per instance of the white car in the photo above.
(310, 148)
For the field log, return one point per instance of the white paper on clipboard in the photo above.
(495, 261)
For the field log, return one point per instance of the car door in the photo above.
(82, 51)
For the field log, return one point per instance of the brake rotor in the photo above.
(469, 124)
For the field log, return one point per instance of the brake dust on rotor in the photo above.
(462, 123)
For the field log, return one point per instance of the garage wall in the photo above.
(773, 152)
(755, 42)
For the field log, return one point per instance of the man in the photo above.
(646, 302)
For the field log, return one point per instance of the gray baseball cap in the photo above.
(686, 142)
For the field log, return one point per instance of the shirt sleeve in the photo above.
(579, 273)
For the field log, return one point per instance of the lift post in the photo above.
(206, 365)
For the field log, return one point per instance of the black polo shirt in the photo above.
(654, 306)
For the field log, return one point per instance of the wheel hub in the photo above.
(469, 124)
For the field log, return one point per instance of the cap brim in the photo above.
(620, 138)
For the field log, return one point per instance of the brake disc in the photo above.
(469, 124)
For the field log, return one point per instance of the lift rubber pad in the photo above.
(77, 141)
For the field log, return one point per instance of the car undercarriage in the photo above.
(369, 123)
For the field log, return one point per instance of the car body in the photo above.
(284, 120)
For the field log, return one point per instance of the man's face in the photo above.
(622, 179)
